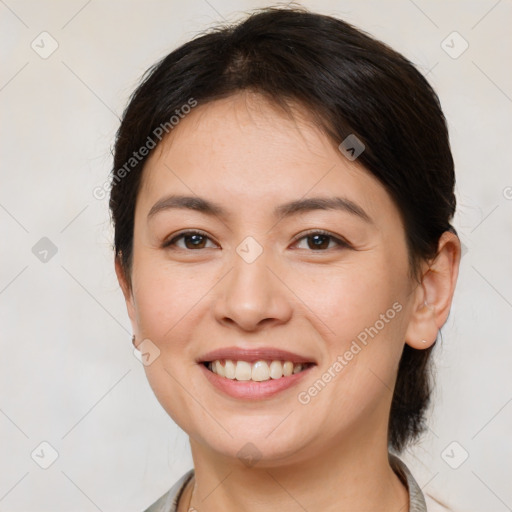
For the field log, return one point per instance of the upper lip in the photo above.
(253, 354)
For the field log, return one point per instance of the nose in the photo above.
(252, 296)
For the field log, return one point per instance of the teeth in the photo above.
(219, 369)
(276, 370)
(229, 369)
(258, 371)
(261, 371)
(243, 370)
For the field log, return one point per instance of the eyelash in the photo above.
(339, 241)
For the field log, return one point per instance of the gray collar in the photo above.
(169, 501)
(416, 498)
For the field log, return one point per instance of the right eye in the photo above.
(192, 239)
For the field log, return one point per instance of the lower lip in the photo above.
(251, 390)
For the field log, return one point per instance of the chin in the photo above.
(253, 446)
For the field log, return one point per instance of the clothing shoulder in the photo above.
(418, 501)
(168, 502)
(416, 497)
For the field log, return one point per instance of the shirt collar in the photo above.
(169, 501)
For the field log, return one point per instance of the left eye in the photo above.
(320, 240)
(193, 240)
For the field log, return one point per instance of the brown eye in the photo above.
(192, 240)
(321, 240)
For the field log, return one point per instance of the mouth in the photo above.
(260, 370)
(256, 373)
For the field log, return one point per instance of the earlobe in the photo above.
(434, 296)
(422, 330)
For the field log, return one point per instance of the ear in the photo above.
(126, 287)
(433, 297)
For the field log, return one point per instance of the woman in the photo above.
(282, 195)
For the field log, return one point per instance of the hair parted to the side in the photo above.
(349, 83)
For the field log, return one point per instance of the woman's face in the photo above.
(260, 279)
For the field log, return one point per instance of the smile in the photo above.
(257, 371)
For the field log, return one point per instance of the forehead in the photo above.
(250, 153)
(236, 128)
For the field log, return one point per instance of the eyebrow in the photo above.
(289, 209)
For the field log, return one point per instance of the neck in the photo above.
(354, 476)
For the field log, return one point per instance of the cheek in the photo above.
(346, 299)
(166, 296)
(360, 313)
(168, 305)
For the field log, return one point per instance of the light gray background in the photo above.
(68, 375)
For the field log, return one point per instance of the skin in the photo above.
(330, 454)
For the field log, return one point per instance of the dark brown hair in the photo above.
(351, 84)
